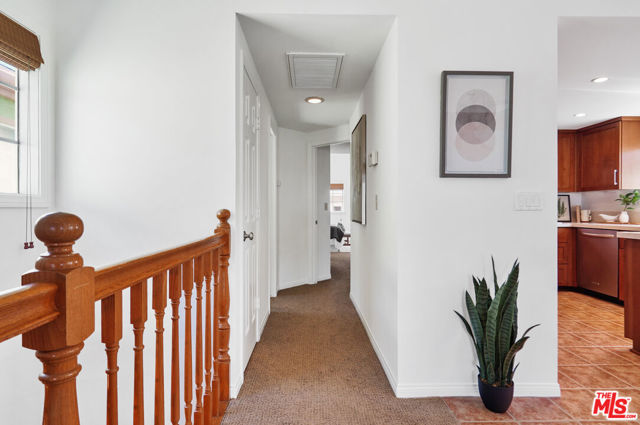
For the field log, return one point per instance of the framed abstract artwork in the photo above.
(475, 128)
(359, 172)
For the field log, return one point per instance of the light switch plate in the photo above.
(528, 201)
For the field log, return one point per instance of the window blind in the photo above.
(19, 46)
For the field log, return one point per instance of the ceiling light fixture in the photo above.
(600, 79)
(314, 100)
(580, 115)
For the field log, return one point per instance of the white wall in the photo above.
(20, 389)
(374, 261)
(340, 174)
(145, 171)
(323, 216)
(293, 209)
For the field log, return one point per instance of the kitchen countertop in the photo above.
(629, 235)
(607, 226)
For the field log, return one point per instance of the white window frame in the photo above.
(33, 99)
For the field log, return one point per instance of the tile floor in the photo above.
(592, 354)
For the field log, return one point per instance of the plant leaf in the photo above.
(512, 352)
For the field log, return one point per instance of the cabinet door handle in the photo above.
(599, 235)
(615, 177)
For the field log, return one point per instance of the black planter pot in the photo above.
(496, 399)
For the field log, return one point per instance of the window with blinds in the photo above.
(336, 197)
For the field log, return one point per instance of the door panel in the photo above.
(323, 215)
(250, 131)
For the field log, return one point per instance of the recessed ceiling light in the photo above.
(600, 79)
(314, 100)
(580, 115)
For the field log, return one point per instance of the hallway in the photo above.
(315, 365)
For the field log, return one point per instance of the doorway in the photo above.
(330, 205)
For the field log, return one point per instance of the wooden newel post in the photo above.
(58, 343)
(223, 298)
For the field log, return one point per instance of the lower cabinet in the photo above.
(622, 281)
(567, 257)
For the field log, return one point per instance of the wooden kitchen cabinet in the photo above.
(567, 257)
(567, 160)
(609, 155)
(622, 283)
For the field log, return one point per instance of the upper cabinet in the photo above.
(567, 161)
(604, 156)
(599, 157)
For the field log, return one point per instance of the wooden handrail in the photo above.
(25, 308)
(54, 311)
(117, 277)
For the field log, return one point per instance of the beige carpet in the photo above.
(315, 365)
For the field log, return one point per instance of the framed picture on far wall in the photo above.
(475, 128)
(359, 172)
(564, 208)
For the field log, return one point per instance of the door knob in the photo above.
(246, 236)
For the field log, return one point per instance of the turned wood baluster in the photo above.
(199, 278)
(111, 321)
(223, 317)
(187, 286)
(174, 294)
(138, 318)
(215, 381)
(159, 304)
(58, 343)
(206, 267)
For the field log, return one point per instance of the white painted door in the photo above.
(251, 212)
(323, 215)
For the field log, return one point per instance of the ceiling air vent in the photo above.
(314, 70)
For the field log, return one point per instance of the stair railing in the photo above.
(53, 310)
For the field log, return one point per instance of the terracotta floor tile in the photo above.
(536, 408)
(603, 339)
(490, 423)
(577, 403)
(472, 409)
(592, 377)
(571, 340)
(569, 357)
(626, 353)
(567, 383)
(626, 373)
(597, 356)
(550, 423)
(605, 326)
(571, 325)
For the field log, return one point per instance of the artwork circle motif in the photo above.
(475, 125)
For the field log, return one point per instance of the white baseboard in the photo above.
(291, 284)
(325, 277)
(385, 365)
(471, 390)
(234, 387)
(262, 324)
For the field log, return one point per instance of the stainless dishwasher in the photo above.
(598, 261)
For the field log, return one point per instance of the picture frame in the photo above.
(359, 172)
(476, 124)
(564, 208)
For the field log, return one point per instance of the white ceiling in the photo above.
(270, 37)
(592, 47)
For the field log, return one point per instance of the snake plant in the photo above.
(493, 326)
